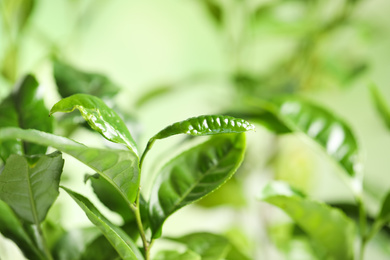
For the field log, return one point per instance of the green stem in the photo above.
(135, 208)
(362, 225)
(42, 242)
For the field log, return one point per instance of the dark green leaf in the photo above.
(72, 81)
(32, 112)
(201, 126)
(174, 255)
(122, 243)
(9, 117)
(99, 116)
(12, 228)
(381, 105)
(319, 124)
(30, 191)
(194, 174)
(329, 228)
(119, 167)
(99, 249)
(24, 109)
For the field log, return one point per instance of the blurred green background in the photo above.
(178, 59)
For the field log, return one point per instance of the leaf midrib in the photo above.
(197, 182)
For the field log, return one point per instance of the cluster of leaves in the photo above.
(30, 180)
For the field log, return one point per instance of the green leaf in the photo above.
(99, 116)
(329, 228)
(209, 246)
(174, 255)
(384, 214)
(194, 174)
(99, 249)
(9, 117)
(12, 228)
(319, 124)
(122, 243)
(110, 197)
(201, 126)
(25, 109)
(381, 105)
(72, 81)
(230, 194)
(32, 112)
(31, 190)
(119, 167)
(74, 242)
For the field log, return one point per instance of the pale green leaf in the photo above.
(328, 227)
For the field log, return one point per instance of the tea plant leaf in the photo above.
(192, 175)
(319, 124)
(174, 255)
(99, 249)
(31, 190)
(24, 109)
(73, 243)
(209, 246)
(32, 112)
(201, 126)
(381, 105)
(99, 116)
(122, 243)
(112, 199)
(71, 80)
(12, 228)
(328, 227)
(9, 117)
(119, 167)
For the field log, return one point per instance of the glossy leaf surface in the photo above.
(381, 105)
(12, 228)
(72, 81)
(328, 227)
(30, 191)
(99, 116)
(201, 126)
(174, 255)
(119, 167)
(123, 244)
(329, 131)
(194, 174)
